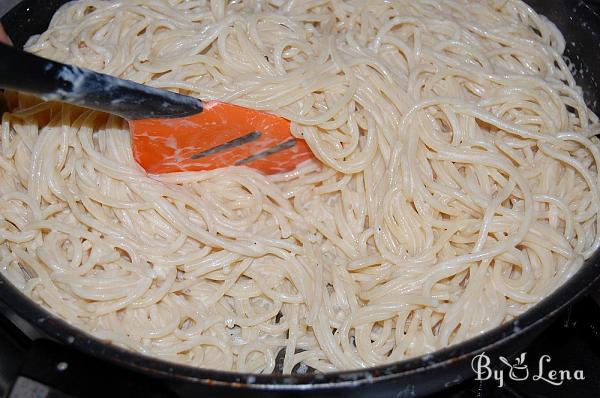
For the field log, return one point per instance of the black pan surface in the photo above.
(414, 377)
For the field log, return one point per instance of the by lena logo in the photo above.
(519, 371)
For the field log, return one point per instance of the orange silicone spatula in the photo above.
(170, 132)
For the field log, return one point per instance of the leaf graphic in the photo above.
(505, 361)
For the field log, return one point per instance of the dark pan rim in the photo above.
(582, 281)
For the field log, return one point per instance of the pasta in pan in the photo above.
(457, 182)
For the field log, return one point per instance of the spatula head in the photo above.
(219, 136)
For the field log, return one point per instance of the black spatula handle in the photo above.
(54, 81)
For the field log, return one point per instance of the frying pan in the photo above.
(410, 378)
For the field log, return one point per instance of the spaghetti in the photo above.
(457, 184)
